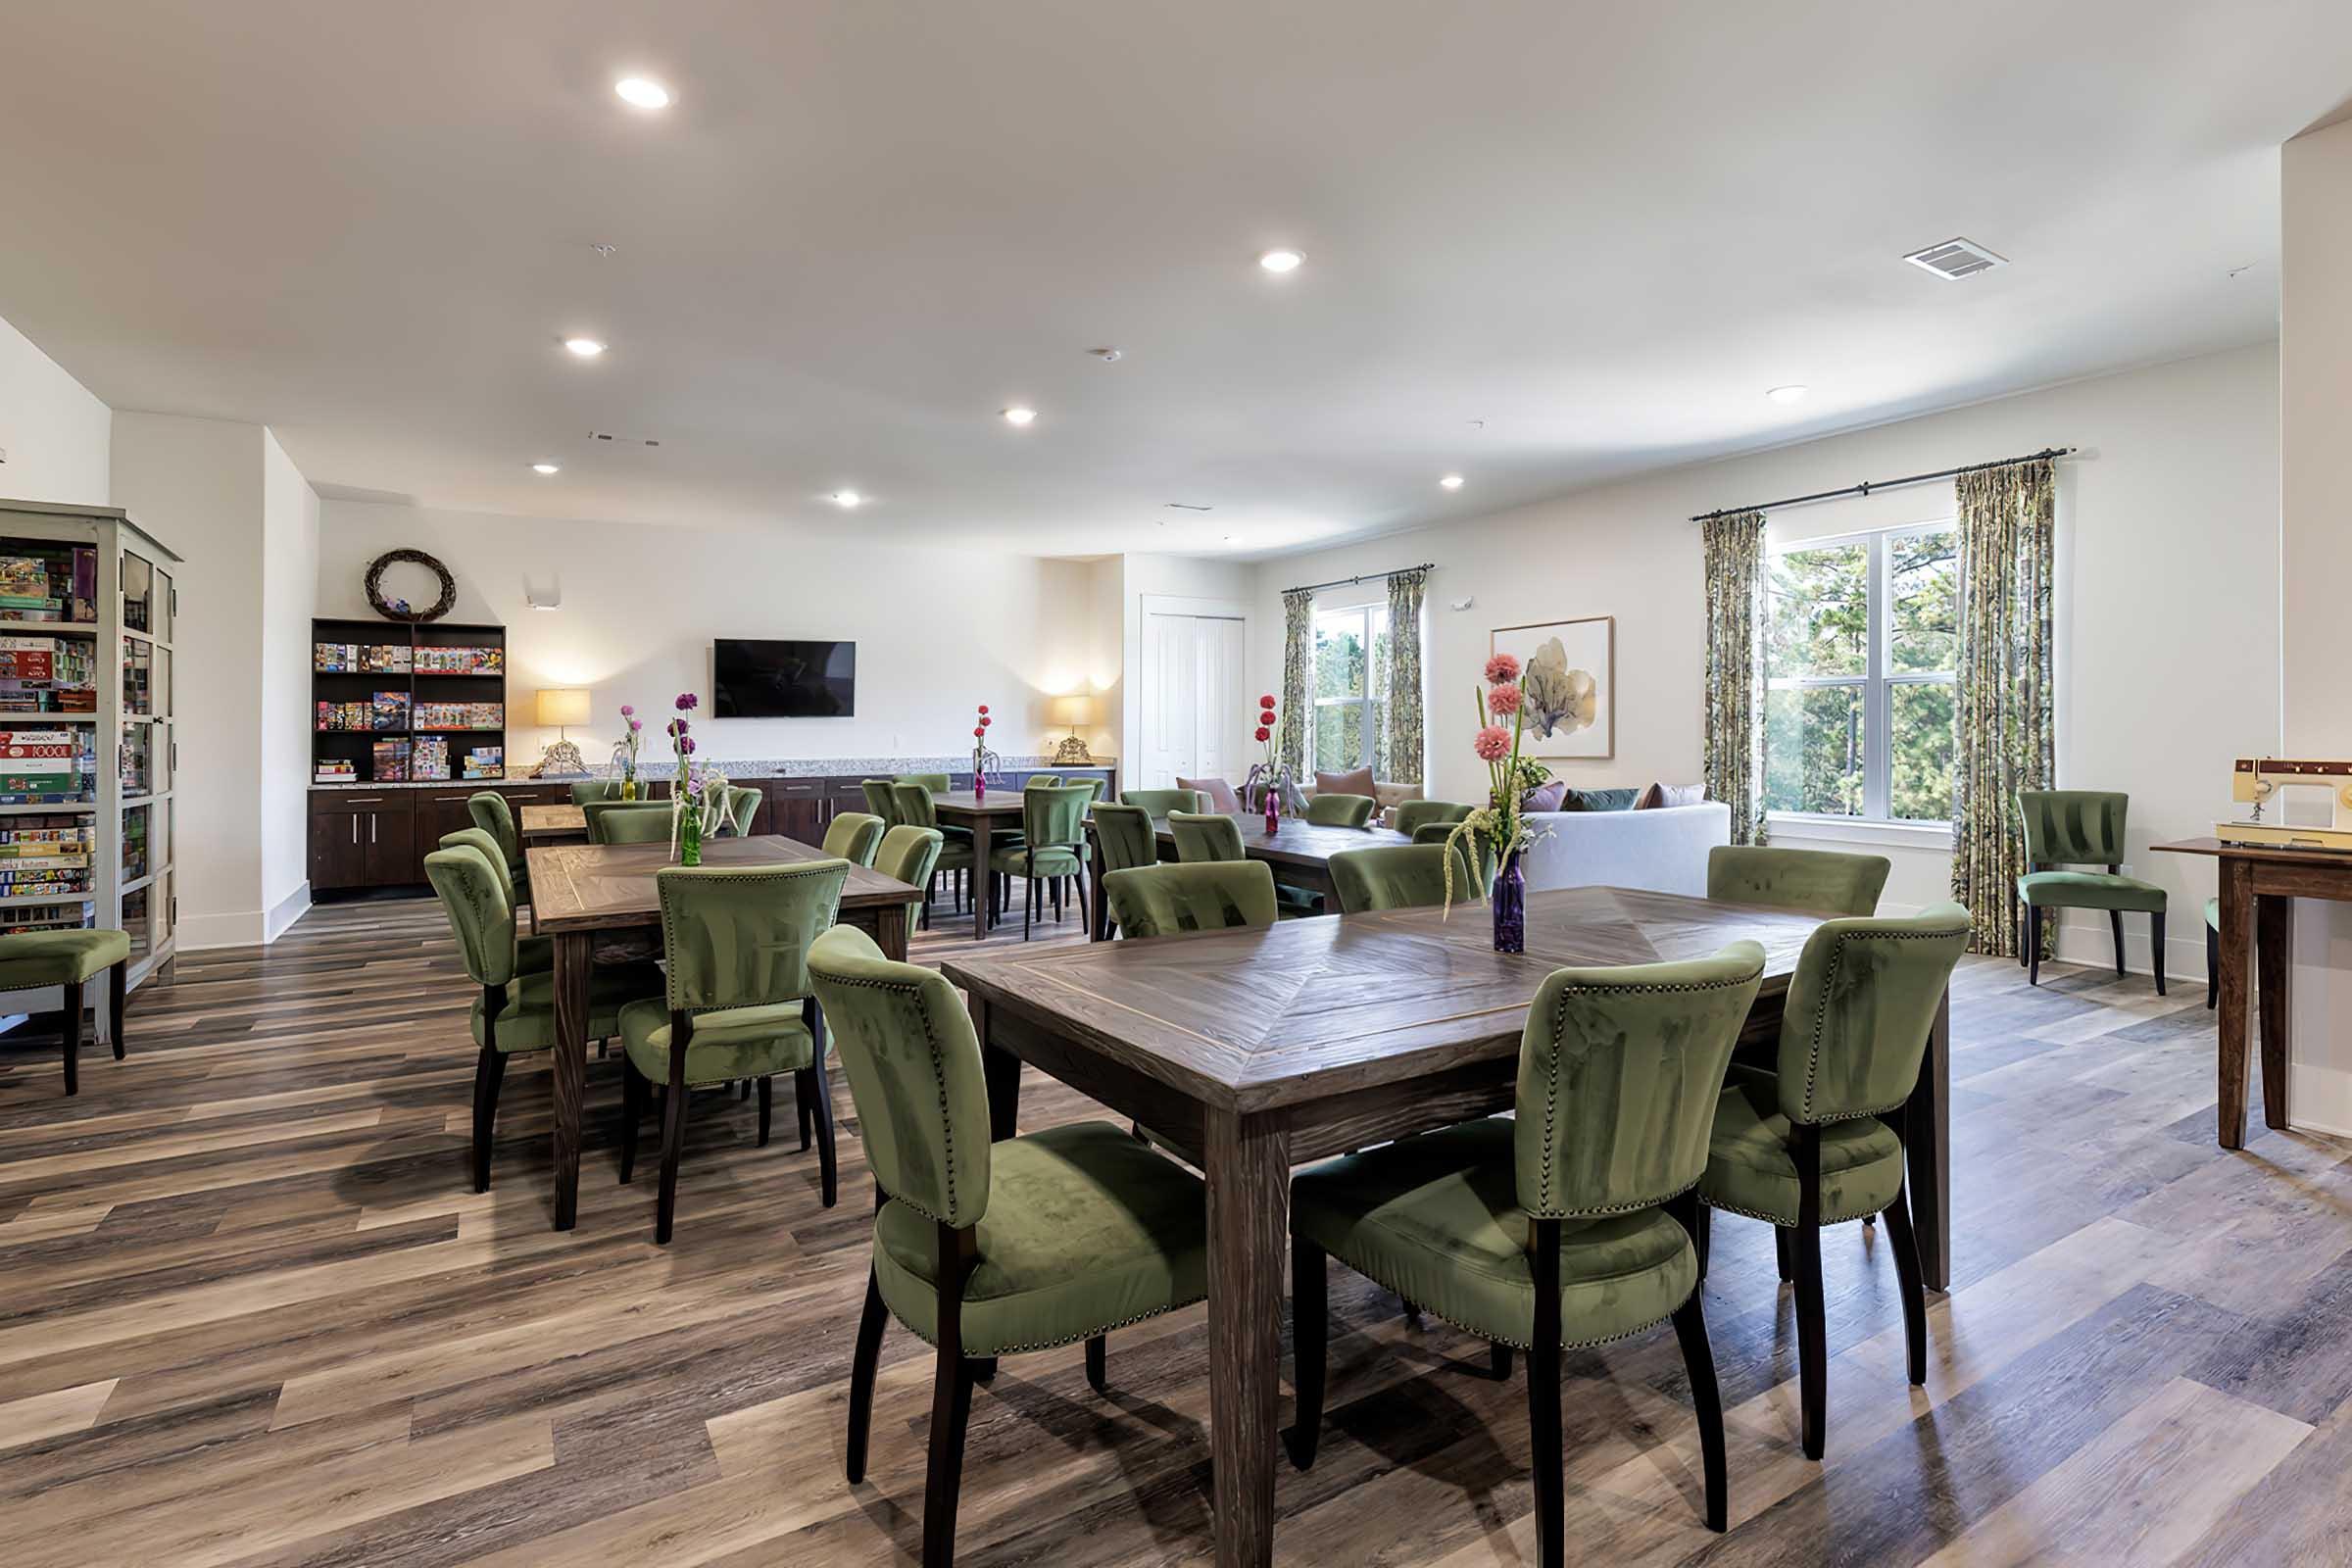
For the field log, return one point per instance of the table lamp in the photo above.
(561, 707)
(1073, 710)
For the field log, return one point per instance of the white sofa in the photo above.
(1664, 850)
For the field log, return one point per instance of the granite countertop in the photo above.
(744, 767)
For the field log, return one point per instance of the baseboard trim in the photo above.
(198, 932)
(292, 908)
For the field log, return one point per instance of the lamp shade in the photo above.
(1078, 709)
(560, 706)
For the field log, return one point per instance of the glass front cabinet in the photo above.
(87, 742)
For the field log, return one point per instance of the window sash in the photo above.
(1358, 620)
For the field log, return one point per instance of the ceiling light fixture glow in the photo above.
(1281, 261)
(1452, 481)
(846, 497)
(546, 468)
(642, 93)
(1020, 415)
(1787, 394)
(583, 348)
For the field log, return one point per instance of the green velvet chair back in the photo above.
(1205, 836)
(881, 800)
(936, 783)
(1042, 781)
(1054, 815)
(475, 838)
(2073, 827)
(737, 936)
(1341, 811)
(494, 816)
(628, 822)
(594, 789)
(1398, 876)
(855, 837)
(472, 895)
(906, 1046)
(1413, 814)
(1471, 861)
(909, 854)
(1158, 901)
(1128, 836)
(1814, 881)
(1619, 1072)
(743, 803)
(1159, 803)
(913, 798)
(1856, 1022)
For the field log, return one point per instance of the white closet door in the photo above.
(1222, 697)
(1171, 699)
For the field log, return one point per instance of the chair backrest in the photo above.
(1205, 836)
(472, 896)
(1400, 877)
(881, 800)
(596, 789)
(494, 816)
(909, 854)
(475, 838)
(1341, 811)
(1158, 901)
(936, 783)
(853, 836)
(1050, 781)
(906, 1046)
(1471, 860)
(1054, 815)
(1619, 1072)
(1856, 1021)
(1815, 881)
(737, 936)
(1159, 803)
(913, 798)
(1411, 814)
(2073, 827)
(627, 822)
(743, 803)
(1128, 836)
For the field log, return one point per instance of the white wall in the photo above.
(54, 433)
(2169, 578)
(289, 547)
(937, 631)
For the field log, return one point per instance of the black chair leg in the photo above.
(2032, 944)
(1780, 1253)
(117, 980)
(2156, 948)
(1310, 1334)
(1905, 1246)
(632, 1112)
(1699, 1360)
(2213, 967)
(489, 1071)
(822, 1086)
(1812, 1338)
(951, 1414)
(767, 1095)
(1086, 916)
(673, 1142)
(980, 1369)
(862, 1364)
(2115, 918)
(1097, 1363)
(1702, 1234)
(1498, 1361)
(70, 1028)
(1543, 1399)
(804, 1096)
(1028, 905)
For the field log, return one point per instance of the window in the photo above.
(1862, 640)
(1352, 686)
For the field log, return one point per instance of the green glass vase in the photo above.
(690, 835)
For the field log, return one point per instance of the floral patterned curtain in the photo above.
(1401, 759)
(1735, 710)
(2005, 736)
(1298, 679)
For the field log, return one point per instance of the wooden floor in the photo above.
(254, 1315)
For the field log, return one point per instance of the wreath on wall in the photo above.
(401, 608)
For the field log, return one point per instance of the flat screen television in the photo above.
(759, 678)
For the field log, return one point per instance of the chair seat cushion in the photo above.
(955, 856)
(1052, 860)
(1750, 1171)
(727, 1043)
(58, 957)
(2090, 889)
(1085, 1230)
(1437, 1219)
(528, 1021)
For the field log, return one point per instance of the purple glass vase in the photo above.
(1273, 810)
(1511, 906)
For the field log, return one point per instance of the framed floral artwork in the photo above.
(1569, 678)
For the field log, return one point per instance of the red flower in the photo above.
(984, 708)
(1265, 734)
(985, 721)
(979, 733)
(1501, 667)
(1266, 700)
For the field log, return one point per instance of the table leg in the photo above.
(573, 962)
(1247, 1161)
(2273, 962)
(890, 931)
(1001, 1070)
(984, 881)
(2238, 951)
(1927, 1151)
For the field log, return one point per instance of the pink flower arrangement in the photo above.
(1503, 701)
(1493, 744)
(1266, 729)
(1501, 669)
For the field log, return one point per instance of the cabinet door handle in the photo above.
(371, 827)
(355, 827)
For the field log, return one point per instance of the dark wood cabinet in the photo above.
(798, 808)
(363, 839)
(438, 812)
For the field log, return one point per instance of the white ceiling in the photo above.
(1603, 228)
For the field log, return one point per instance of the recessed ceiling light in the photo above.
(1020, 415)
(846, 497)
(546, 468)
(1452, 481)
(1281, 261)
(1787, 394)
(586, 348)
(642, 93)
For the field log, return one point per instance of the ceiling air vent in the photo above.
(1956, 258)
(622, 440)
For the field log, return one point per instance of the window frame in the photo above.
(1877, 682)
(1363, 702)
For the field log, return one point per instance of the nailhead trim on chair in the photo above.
(1820, 1016)
(1524, 1344)
(938, 1076)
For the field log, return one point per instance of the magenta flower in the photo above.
(687, 746)
(1503, 699)
(687, 702)
(627, 711)
(1501, 667)
(1493, 742)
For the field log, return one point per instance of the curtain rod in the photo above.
(1369, 576)
(1867, 486)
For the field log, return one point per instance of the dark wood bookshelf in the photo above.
(433, 686)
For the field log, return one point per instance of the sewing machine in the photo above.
(2254, 780)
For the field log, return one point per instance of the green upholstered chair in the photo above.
(880, 801)
(1158, 901)
(743, 805)
(1053, 854)
(1126, 837)
(855, 837)
(1051, 781)
(1205, 836)
(1471, 859)
(987, 1249)
(914, 810)
(1398, 876)
(1341, 811)
(737, 1004)
(596, 789)
(1813, 881)
(38, 959)
(911, 855)
(1413, 814)
(1817, 1141)
(492, 813)
(532, 955)
(2213, 954)
(936, 783)
(516, 1010)
(628, 822)
(1159, 803)
(2082, 828)
(1571, 1224)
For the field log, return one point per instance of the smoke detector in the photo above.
(1956, 258)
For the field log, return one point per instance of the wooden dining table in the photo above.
(983, 816)
(1254, 1051)
(552, 824)
(598, 903)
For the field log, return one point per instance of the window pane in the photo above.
(1921, 573)
(1813, 749)
(1338, 737)
(1819, 619)
(1339, 662)
(1920, 787)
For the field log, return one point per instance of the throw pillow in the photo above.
(1359, 782)
(1599, 800)
(1218, 793)
(1659, 796)
(1543, 797)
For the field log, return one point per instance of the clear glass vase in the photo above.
(1510, 906)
